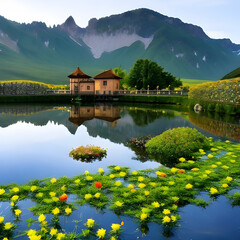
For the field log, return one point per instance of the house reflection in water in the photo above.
(80, 114)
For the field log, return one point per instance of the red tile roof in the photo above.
(109, 74)
(78, 73)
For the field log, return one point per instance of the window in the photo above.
(104, 83)
(88, 87)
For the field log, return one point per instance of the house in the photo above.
(81, 83)
(105, 83)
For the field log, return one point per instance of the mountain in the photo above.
(48, 54)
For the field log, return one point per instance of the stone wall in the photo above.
(12, 89)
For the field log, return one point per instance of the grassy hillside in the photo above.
(234, 74)
(193, 82)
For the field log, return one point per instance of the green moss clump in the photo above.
(176, 143)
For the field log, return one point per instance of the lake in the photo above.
(36, 141)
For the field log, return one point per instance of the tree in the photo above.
(122, 73)
(147, 73)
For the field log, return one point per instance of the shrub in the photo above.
(176, 143)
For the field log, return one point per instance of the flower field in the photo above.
(145, 196)
(226, 91)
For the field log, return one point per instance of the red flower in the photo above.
(163, 175)
(63, 197)
(98, 184)
(181, 171)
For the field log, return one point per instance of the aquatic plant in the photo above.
(153, 195)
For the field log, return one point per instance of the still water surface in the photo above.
(36, 140)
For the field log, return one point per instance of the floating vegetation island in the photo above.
(88, 153)
(145, 196)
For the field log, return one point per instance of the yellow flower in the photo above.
(53, 231)
(112, 238)
(173, 218)
(77, 181)
(166, 219)
(88, 196)
(189, 186)
(134, 173)
(60, 236)
(143, 216)
(8, 226)
(232, 161)
(213, 190)
(117, 168)
(122, 174)
(218, 163)
(210, 156)
(31, 232)
(17, 212)
(97, 195)
(112, 176)
(141, 185)
(5, 238)
(174, 170)
(208, 171)
(224, 185)
(229, 179)
(90, 223)
(2, 191)
(52, 194)
(214, 166)
(63, 188)
(39, 195)
(119, 204)
(89, 178)
(195, 169)
(133, 190)
(15, 198)
(115, 226)
(225, 167)
(130, 186)
(146, 193)
(68, 210)
(33, 188)
(166, 211)
(41, 218)
(15, 189)
(86, 172)
(140, 179)
(100, 170)
(156, 204)
(55, 199)
(227, 141)
(182, 159)
(53, 180)
(1, 219)
(101, 233)
(191, 161)
(118, 183)
(35, 237)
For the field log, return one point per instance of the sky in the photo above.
(218, 18)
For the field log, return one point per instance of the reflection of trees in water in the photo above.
(216, 127)
(142, 117)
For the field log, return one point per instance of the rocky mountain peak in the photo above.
(70, 22)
